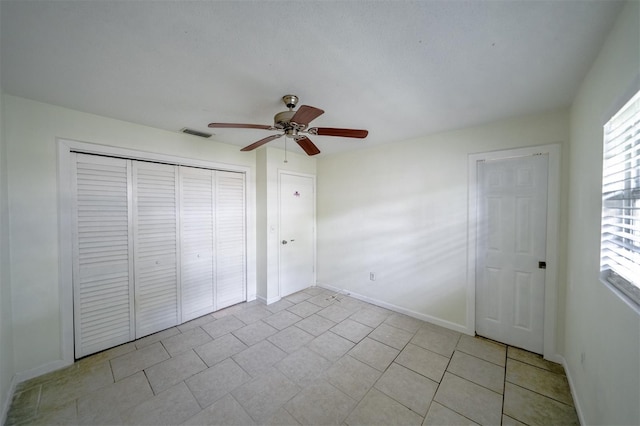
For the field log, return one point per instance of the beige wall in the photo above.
(600, 328)
(400, 211)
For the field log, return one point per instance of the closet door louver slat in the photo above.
(102, 270)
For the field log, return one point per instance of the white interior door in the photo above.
(297, 233)
(155, 222)
(510, 280)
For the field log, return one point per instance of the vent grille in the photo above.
(195, 132)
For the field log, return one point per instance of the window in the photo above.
(620, 249)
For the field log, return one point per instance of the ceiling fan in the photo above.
(293, 125)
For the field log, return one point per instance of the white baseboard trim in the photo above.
(427, 318)
(43, 369)
(557, 358)
(26, 375)
(269, 300)
(576, 401)
(6, 404)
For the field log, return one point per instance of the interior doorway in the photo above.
(521, 281)
(297, 232)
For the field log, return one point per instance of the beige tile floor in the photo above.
(313, 358)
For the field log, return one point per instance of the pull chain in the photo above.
(285, 149)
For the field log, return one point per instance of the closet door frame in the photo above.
(65, 148)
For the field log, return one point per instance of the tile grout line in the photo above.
(446, 369)
(478, 384)
(536, 366)
(538, 393)
(532, 390)
(387, 368)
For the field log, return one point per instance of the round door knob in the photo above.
(284, 242)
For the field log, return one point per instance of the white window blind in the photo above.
(620, 249)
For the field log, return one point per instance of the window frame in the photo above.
(625, 287)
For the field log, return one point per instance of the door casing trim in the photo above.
(553, 219)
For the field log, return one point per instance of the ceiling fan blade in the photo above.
(345, 133)
(309, 147)
(306, 114)
(261, 142)
(239, 126)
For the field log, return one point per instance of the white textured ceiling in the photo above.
(397, 68)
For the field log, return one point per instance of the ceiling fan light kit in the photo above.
(293, 125)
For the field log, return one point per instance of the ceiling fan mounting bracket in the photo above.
(290, 101)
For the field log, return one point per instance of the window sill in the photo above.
(634, 305)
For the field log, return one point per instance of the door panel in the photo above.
(297, 242)
(196, 237)
(523, 292)
(512, 207)
(230, 237)
(102, 247)
(493, 295)
(155, 221)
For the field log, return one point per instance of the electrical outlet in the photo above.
(372, 276)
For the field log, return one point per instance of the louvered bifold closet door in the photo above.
(196, 238)
(230, 247)
(155, 221)
(102, 248)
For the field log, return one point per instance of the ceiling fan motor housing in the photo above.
(282, 120)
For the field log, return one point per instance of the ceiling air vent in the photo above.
(195, 132)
